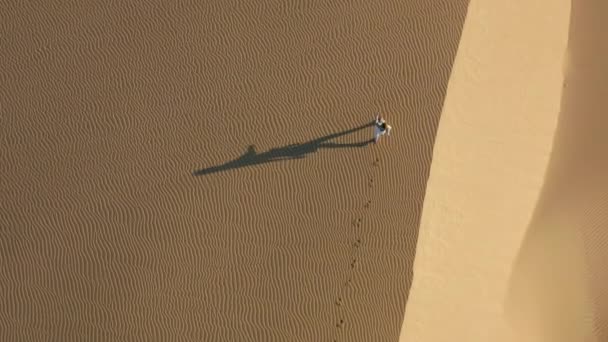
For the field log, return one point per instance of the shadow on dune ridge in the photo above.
(293, 151)
(560, 270)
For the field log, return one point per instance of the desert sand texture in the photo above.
(559, 283)
(201, 171)
(492, 164)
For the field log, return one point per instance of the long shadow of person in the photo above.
(293, 151)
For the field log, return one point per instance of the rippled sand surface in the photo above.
(202, 170)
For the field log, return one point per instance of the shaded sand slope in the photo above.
(559, 284)
(134, 206)
(489, 160)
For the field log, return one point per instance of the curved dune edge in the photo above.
(489, 161)
(558, 283)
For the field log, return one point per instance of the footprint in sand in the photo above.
(339, 301)
(357, 243)
(366, 205)
(354, 263)
(340, 324)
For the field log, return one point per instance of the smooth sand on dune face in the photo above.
(559, 283)
(491, 153)
(202, 171)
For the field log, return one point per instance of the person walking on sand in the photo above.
(381, 128)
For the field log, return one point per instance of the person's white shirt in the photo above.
(381, 128)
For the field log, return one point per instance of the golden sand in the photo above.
(558, 286)
(123, 217)
(512, 238)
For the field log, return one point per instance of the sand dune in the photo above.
(558, 288)
(489, 162)
(513, 245)
(196, 171)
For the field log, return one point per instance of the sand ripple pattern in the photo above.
(107, 109)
